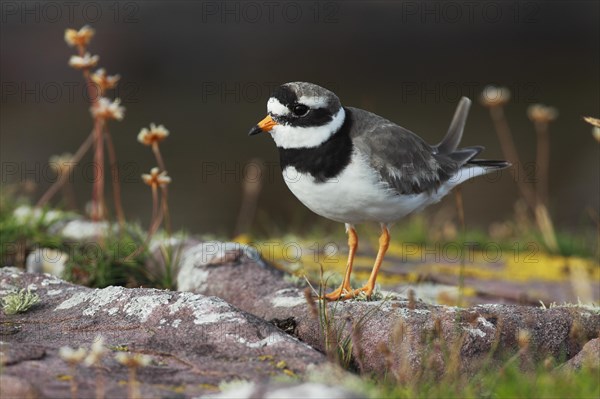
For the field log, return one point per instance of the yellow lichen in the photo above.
(491, 262)
(281, 364)
(289, 373)
(210, 387)
(119, 348)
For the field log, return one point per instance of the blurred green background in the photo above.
(205, 69)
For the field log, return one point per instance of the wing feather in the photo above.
(403, 160)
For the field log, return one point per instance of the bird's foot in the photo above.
(341, 293)
(344, 293)
(366, 291)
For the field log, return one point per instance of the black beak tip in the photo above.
(254, 130)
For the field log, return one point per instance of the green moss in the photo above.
(19, 302)
(510, 382)
(113, 260)
(120, 258)
(506, 380)
(23, 227)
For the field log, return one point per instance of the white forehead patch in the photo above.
(276, 108)
(287, 136)
(313, 101)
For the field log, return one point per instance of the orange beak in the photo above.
(263, 126)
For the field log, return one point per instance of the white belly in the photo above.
(356, 195)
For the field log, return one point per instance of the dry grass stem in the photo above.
(115, 178)
(527, 192)
(53, 189)
(251, 188)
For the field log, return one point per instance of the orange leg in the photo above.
(345, 287)
(384, 243)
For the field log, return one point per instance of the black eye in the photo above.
(300, 109)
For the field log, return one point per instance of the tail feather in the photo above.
(461, 162)
(452, 138)
(464, 155)
(489, 163)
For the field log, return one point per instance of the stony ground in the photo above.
(236, 317)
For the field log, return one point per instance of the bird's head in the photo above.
(301, 115)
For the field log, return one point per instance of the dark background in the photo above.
(205, 70)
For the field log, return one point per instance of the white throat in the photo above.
(287, 136)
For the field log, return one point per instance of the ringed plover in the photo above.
(352, 166)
